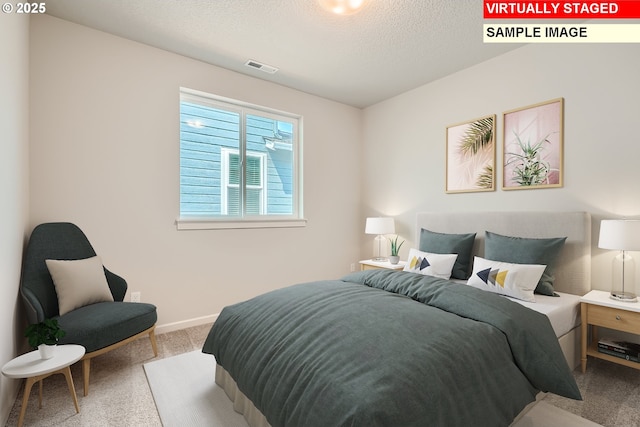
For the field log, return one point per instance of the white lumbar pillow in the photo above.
(514, 280)
(79, 282)
(437, 265)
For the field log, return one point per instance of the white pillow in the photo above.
(437, 265)
(79, 282)
(514, 280)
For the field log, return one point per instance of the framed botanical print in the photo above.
(471, 153)
(533, 146)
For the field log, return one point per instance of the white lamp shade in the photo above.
(620, 234)
(380, 226)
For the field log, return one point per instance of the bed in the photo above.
(573, 266)
(388, 348)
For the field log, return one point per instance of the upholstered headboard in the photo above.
(573, 267)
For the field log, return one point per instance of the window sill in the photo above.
(209, 224)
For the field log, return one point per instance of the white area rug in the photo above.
(186, 394)
(545, 415)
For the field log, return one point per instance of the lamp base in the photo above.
(379, 259)
(623, 296)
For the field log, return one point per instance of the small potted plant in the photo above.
(395, 247)
(44, 336)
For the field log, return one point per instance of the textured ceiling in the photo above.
(389, 47)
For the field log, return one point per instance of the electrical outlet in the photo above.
(353, 266)
(135, 296)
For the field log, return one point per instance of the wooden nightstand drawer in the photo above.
(621, 320)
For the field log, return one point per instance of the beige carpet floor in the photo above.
(119, 393)
(610, 392)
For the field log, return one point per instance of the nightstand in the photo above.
(369, 264)
(598, 309)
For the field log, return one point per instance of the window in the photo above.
(240, 164)
(255, 194)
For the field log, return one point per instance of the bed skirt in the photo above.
(241, 404)
(244, 406)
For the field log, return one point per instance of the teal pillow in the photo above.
(523, 250)
(442, 243)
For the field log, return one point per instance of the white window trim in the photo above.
(276, 221)
(199, 223)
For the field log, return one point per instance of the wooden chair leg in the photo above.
(86, 370)
(86, 360)
(154, 344)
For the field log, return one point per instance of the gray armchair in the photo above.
(99, 327)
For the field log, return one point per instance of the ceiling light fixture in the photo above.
(342, 7)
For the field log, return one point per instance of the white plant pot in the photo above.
(394, 259)
(46, 351)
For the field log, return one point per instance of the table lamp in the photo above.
(622, 235)
(379, 226)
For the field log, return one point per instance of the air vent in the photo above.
(260, 66)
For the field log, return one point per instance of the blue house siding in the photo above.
(205, 132)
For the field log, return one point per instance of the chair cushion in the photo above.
(102, 324)
(78, 282)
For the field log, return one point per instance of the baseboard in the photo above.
(183, 324)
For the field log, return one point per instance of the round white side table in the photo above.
(32, 367)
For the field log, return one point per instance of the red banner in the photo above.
(518, 9)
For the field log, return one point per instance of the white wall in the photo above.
(404, 137)
(14, 188)
(104, 154)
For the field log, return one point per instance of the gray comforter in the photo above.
(386, 348)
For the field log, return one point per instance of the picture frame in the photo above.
(471, 155)
(533, 146)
